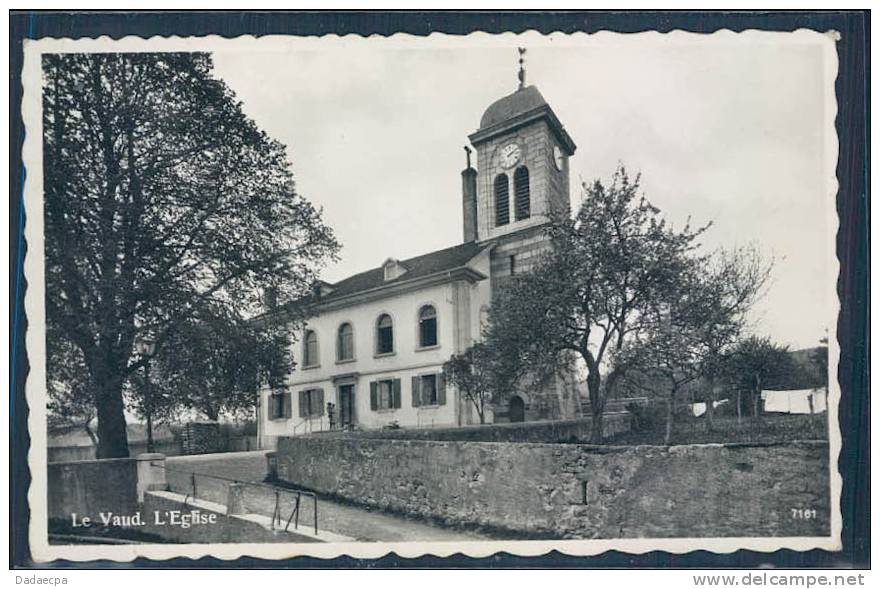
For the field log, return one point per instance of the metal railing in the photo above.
(277, 515)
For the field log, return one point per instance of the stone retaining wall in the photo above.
(88, 487)
(574, 491)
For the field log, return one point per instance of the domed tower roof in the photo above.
(520, 102)
(516, 110)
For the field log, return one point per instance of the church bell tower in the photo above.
(522, 177)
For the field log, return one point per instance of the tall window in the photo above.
(279, 405)
(385, 394)
(310, 349)
(521, 193)
(311, 403)
(427, 326)
(502, 200)
(428, 390)
(384, 335)
(345, 342)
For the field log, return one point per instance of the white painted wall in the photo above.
(406, 361)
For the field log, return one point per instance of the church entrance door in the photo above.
(346, 406)
(517, 409)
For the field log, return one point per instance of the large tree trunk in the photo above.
(112, 430)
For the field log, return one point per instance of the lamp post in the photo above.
(146, 348)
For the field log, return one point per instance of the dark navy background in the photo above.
(853, 172)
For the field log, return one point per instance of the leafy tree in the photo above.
(753, 364)
(162, 199)
(703, 316)
(70, 400)
(592, 293)
(481, 375)
(214, 366)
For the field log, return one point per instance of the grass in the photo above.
(767, 429)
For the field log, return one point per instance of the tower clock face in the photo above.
(510, 155)
(558, 157)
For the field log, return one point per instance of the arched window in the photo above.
(427, 326)
(310, 348)
(345, 342)
(523, 207)
(384, 335)
(502, 200)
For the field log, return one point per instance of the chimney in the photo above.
(469, 199)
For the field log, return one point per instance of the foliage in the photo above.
(819, 360)
(700, 320)
(162, 200)
(753, 364)
(596, 289)
(213, 365)
(70, 400)
(481, 376)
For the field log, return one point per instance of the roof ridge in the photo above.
(406, 261)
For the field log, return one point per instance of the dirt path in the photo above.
(360, 523)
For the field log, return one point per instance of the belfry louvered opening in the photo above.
(502, 200)
(523, 205)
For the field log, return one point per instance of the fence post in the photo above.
(235, 499)
(150, 474)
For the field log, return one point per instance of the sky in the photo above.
(727, 132)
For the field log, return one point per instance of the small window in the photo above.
(502, 200)
(385, 394)
(345, 343)
(429, 389)
(427, 326)
(310, 349)
(384, 335)
(311, 403)
(276, 406)
(521, 194)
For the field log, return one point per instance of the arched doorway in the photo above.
(517, 409)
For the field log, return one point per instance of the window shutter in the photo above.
(318, 397)
(374, 395)
(303, 404)
(441, 389)
(395, 394)
(416, 391)
(286, 405)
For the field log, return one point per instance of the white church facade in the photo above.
(372, 352)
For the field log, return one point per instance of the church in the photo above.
(372, 352)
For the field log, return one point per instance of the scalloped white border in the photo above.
(34, 300)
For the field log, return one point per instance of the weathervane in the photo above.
(522, 69)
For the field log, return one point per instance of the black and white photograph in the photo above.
(345, 295)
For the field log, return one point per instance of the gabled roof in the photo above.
(417, 267)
